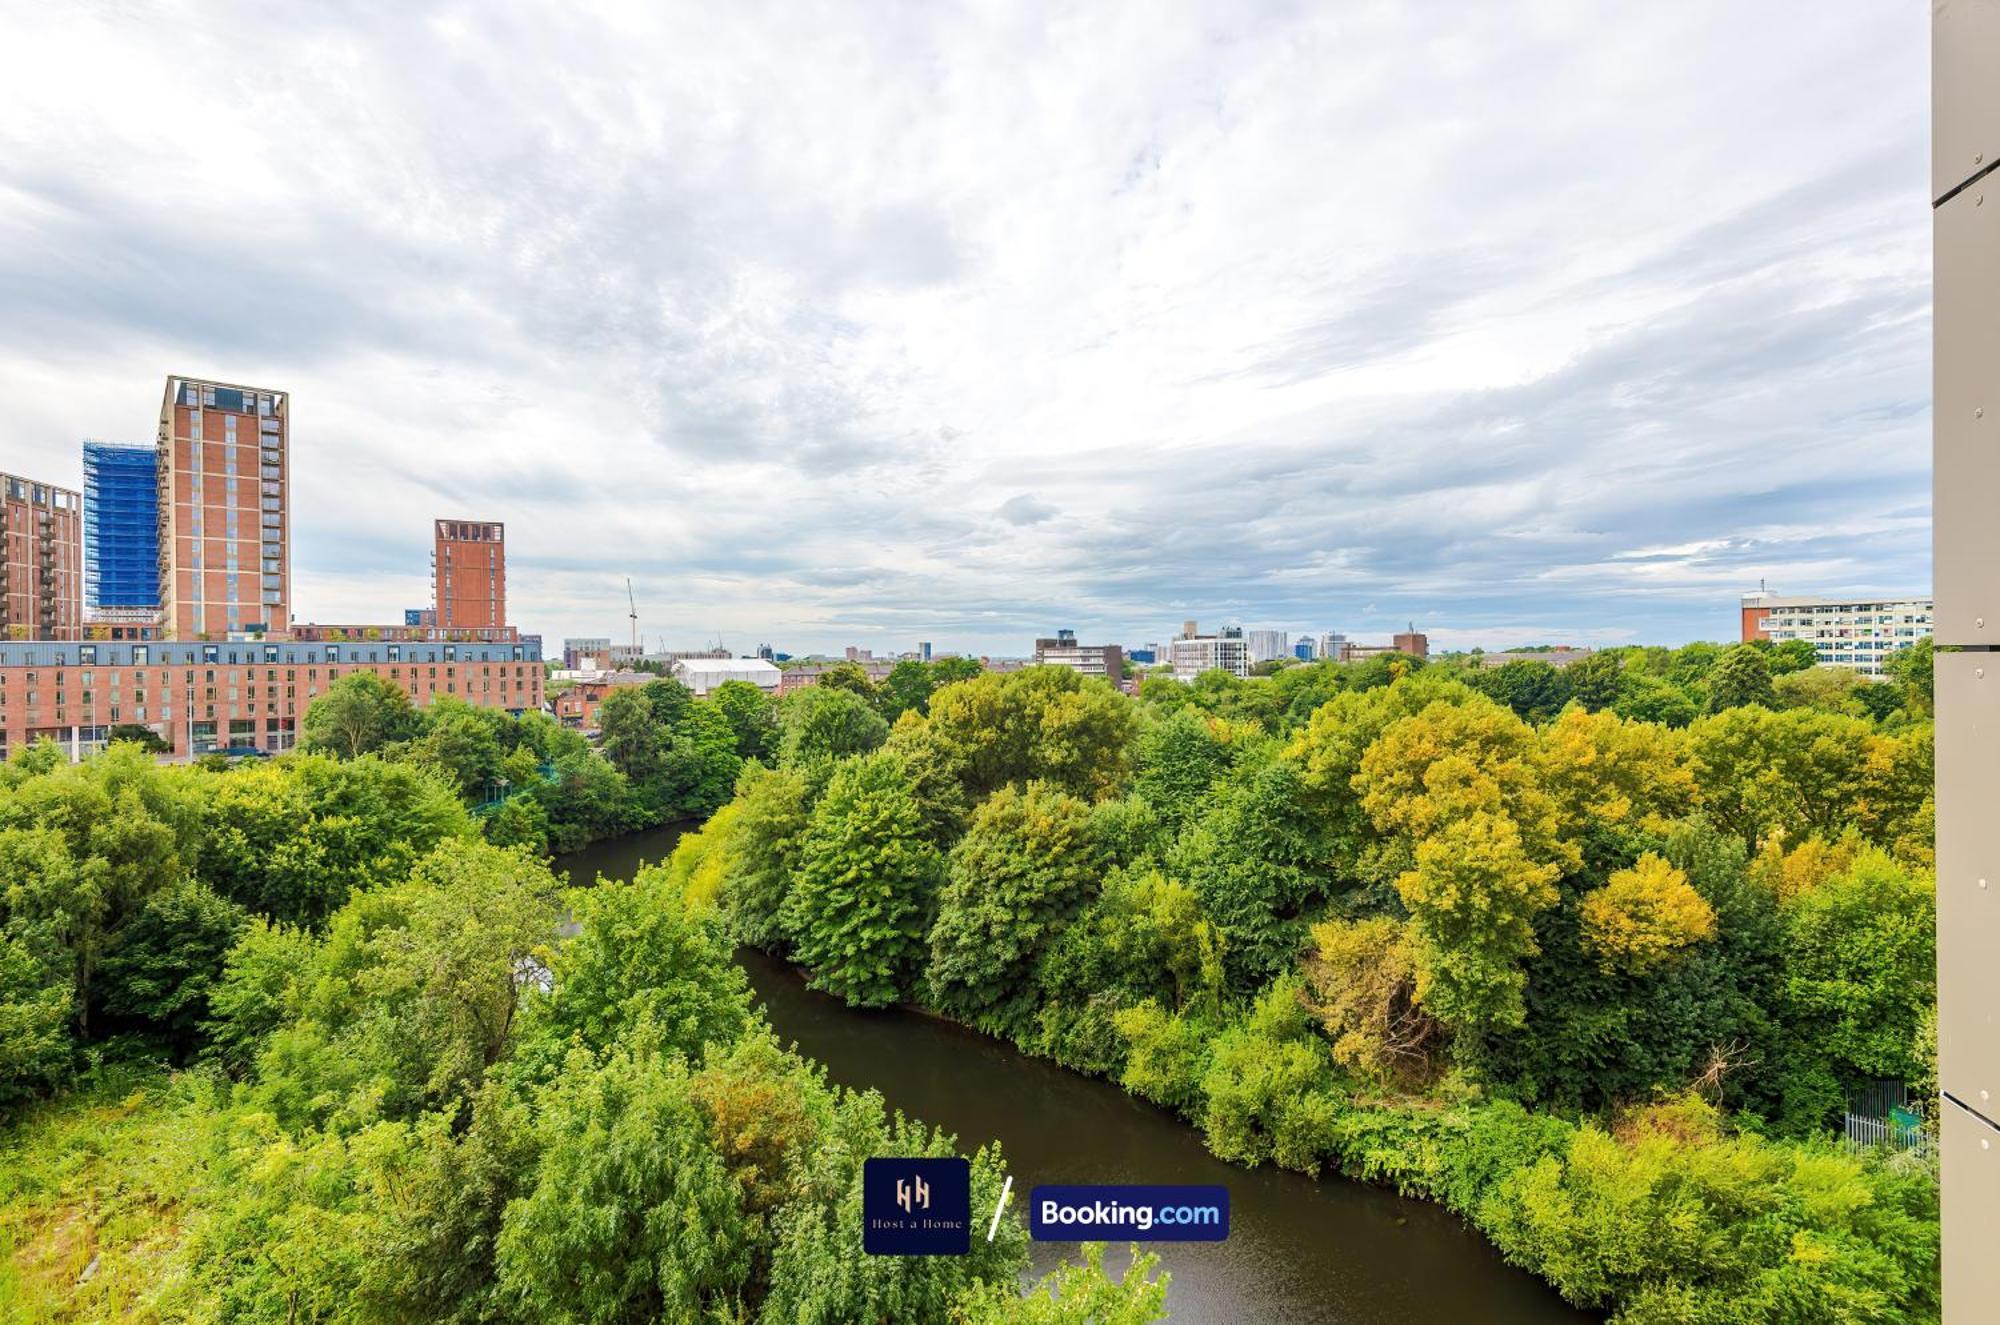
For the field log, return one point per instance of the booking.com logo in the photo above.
(1144, 1214)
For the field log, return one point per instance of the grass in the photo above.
(93, 1192)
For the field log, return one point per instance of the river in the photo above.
(1299, 1249)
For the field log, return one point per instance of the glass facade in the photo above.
(121, 528)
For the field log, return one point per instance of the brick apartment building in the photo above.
(233, 694)
(469, 574)
(225, 517)
(41, 560)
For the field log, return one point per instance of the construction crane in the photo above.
(633, 604)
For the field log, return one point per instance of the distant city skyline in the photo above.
(1317, 318)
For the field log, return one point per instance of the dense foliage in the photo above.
(294, 1042)
(1595, 954)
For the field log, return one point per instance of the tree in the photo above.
(167, 960)
(1596, 681)
(358, 713)
(1473, 897)
(1911, 668)
(634, 739)
(1740, 677)
(907, 689)
(851, 677)
(752, 715)
(1643, 916)
(1533, 689)
(772, 811)
(639, 968)
(826, 722)
(1361, 983)
(868, 872)
(1258, 859)
(629, 1214)
(145, 737)
(1792, 655)
(1179, 759)
(462, 741)
(1860, 972)
(1070, 1294)
(1023, 871)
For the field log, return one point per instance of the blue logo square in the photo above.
(916, 1207)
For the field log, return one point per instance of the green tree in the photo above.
(640, 968)
(1533, 689)
(826, 722)
(358, 713)
(1596, 681)
(1740, 677)
(1792, 655)
(1074, 1294)
(772, 811)
(907, 689)
(752, 715)
(1179, 758)
(1022, 871)
(629, 1214)
(167, 960)
(861, 898)
(1911, 668)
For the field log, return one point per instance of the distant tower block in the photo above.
(469, 574)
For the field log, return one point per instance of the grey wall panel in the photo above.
(1972, 1197)
(1966, 370)
(1968, 811)
(1965, 91)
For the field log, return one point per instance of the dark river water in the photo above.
(1299, 1249)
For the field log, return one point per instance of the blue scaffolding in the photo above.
(121, 527)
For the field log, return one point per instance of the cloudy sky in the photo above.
(872, 323)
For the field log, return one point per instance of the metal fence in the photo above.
(1870, 1133)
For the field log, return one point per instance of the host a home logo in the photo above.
(916, 1207)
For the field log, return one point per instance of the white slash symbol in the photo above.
(1006, 1188)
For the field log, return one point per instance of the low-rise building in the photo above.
(236, 694)
(576, 705)
(1105, 660)
(1857, 632)
(1409, 643)
(703, 675)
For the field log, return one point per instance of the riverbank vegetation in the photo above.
(1595, 955)
(662, 754)
(292, 1042)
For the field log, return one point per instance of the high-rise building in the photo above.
(469, 574)
(121, 539)
(592, 652)
(924, 650)
(1193, 655)
(1265, 645)
(224, 470)
(1304, 649)
(1860, 633)
(41, 560)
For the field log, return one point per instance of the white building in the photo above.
(1859, 633)
(703, 675)
(1331, 644)
(1190, 657)
(1265, 645)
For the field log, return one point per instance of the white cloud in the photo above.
(1534, 319)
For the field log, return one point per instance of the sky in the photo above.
(868, 324)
